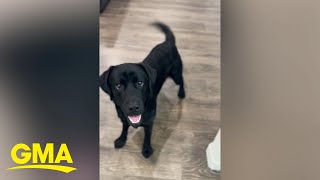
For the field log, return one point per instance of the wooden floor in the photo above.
(182, 130)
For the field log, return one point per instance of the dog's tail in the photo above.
(166, 30)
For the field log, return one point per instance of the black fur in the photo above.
(134, 87)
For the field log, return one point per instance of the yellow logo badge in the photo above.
(41, 159)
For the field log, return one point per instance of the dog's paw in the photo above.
(147, 151)
(181, 94)
(119, 143)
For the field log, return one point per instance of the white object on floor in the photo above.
(214, 153)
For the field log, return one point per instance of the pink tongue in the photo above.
(135, 119)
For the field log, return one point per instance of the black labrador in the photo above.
(134, 87)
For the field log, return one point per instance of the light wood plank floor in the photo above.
(182, 130)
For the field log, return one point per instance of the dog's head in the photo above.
(129, 86)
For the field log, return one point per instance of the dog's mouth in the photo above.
(135, 119)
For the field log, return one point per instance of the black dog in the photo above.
(134, 87)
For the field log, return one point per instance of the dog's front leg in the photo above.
(121, 140)
(147, 149)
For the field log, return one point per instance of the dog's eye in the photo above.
(140, 83)
(118, 86)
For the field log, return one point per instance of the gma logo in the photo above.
(22, 154)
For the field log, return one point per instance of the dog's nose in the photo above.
(134, 108)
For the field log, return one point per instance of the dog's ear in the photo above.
(104, 82)
(152, 75)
